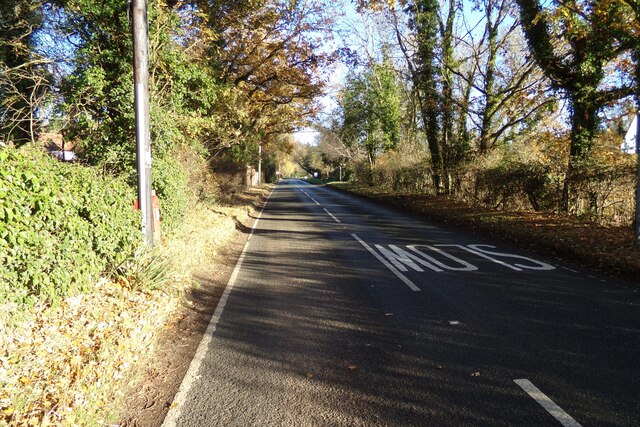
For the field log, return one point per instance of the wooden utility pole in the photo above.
(260, 163)
(637, 217)
(141, 90)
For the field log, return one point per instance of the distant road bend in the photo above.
(342, 312)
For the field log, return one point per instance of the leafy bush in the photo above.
(61, 225)
(172, 188)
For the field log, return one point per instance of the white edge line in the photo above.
(570, 269)
(331, 215)
(548, 404)
(315, 201)
(401, 276)
(191, 376)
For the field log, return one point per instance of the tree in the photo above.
(309, 158)
(576, 66)
(98, 93)
(267, 56)
(24, 77)
(510, 92)
(425, 24)
(370, 106)
(632, 36)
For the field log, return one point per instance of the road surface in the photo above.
(345, 313)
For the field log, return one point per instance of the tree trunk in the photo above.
(584, 123)
(447, 95)
(489, 83)
(425, 13)
(430, 116)
(637, 96)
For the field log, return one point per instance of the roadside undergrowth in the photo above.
(67, 364)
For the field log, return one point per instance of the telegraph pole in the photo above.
(637, 216)
(260, 163)
(140, 29)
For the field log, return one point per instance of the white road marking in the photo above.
(542, 266)
(314, 200)
(192, 374)
(401, 259)
(465, 265)
(570, 269)
(331, 215)
(548, 404)
(480, 254)
(454, 322)
(401, 276)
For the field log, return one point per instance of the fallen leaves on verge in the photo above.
(64, 358)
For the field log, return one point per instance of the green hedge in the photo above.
(171, 184)
(61, 225)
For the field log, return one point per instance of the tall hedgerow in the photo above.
(61, 226)
(171, 185)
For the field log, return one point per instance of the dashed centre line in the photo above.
(557, 412)
(386, 263)
(308, 195)
(331, 215)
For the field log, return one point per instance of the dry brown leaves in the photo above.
(58, 368)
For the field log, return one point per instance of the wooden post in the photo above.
(140, 30)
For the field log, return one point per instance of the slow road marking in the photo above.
(548, 404)
(395, 271)
(418, 256)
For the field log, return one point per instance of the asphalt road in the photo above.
(346, 313)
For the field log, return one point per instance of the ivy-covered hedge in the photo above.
(61, 225)
(171, 184)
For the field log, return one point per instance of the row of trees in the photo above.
(459, 80)
(470, 79)
(224, 76)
